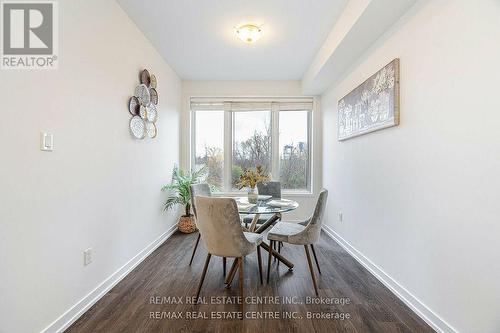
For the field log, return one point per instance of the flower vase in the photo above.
(252, 195)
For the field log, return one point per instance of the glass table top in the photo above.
(270, 206)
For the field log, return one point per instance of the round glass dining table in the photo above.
(266, 206)
(269, 206)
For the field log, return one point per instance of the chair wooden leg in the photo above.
(231, 271)
(269, 260)
(242, 279)
(315, 258)
(233, 274)
(311, 270)
(194, 250)
(207, 261)
(279, 251)
(223, 266)
(259, 259)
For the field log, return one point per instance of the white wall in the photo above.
(99, 188)
(421, 200)
(255, 89)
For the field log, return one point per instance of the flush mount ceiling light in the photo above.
(249, 33)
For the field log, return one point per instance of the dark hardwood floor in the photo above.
(128, 307)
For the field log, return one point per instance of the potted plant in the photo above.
(249, 179)
(180, 195)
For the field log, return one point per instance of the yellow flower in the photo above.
(250, 178)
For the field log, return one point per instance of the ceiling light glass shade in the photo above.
(249, 33)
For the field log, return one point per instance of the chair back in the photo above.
(220, 227)
(202, 189)
(270, 188)
(312, 231)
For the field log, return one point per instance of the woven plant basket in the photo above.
(187, 224)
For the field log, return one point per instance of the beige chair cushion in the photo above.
(254, 238)
(282, 230)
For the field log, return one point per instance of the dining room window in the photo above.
(230, 136)
(209, 146)
(293, 150)
(251, 142)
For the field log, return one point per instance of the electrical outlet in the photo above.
(341, 217)
(87, 256)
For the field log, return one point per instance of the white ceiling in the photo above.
(196, 37)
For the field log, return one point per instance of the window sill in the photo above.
(285, 194)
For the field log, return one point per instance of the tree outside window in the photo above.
(252, 144)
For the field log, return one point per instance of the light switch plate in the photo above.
(46, 141)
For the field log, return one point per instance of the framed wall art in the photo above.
(372, 106)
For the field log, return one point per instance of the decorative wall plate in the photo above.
(153, 81)
(151, 113)
(142, 107)
(142, 93)
(153, 95)
(151, 130)
(133, 105)
(143, 112)
(145, 78)
(137, 127)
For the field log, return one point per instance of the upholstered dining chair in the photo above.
(202, 189)
(222, 235)
(300, 234)
(272, 188)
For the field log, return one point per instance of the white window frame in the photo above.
(223, 104)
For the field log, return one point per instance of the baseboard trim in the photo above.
(401, 292)
(77, 310)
